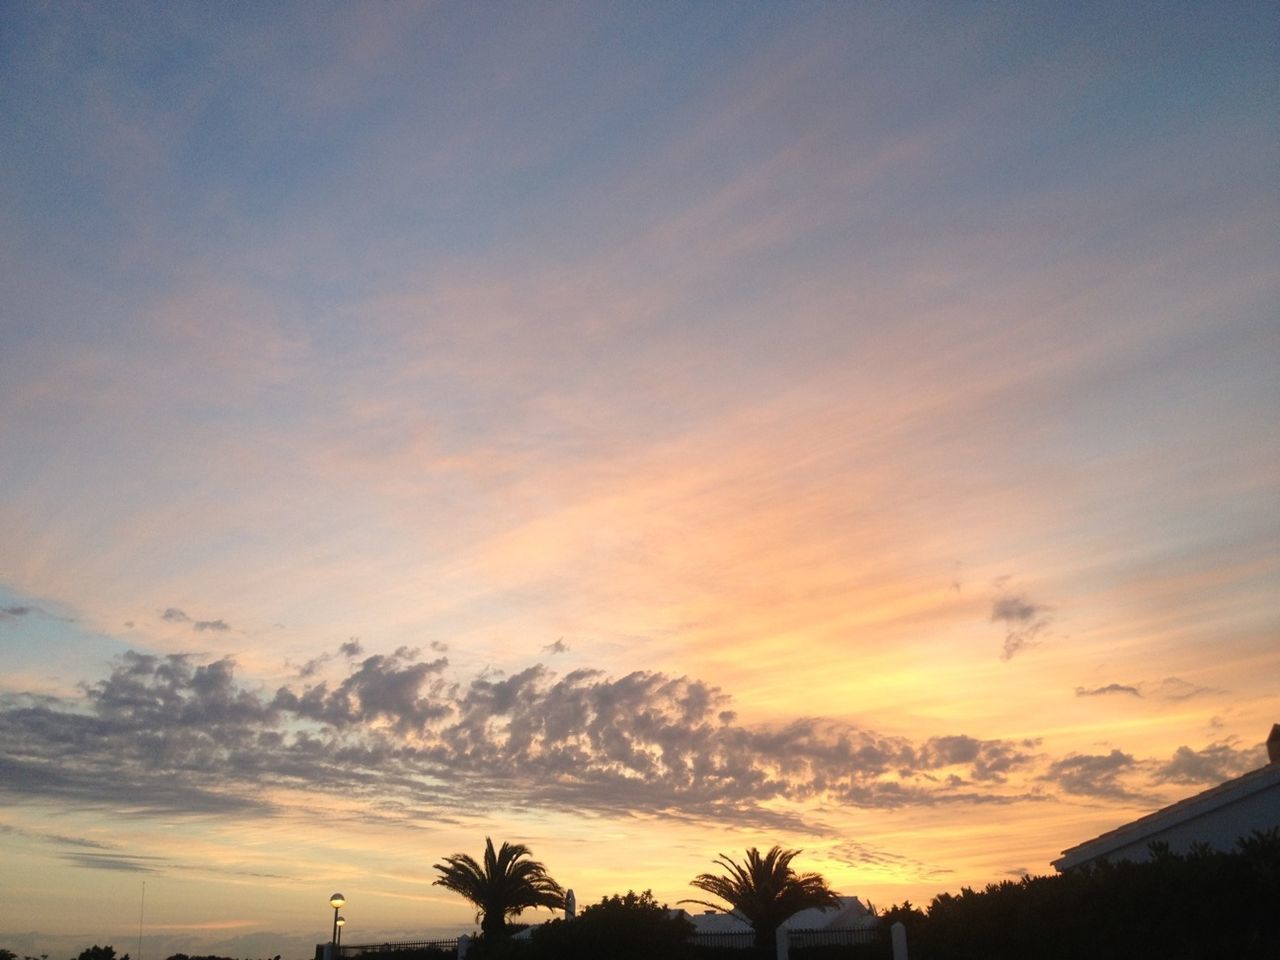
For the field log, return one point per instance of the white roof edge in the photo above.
(1181, 811)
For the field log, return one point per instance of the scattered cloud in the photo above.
(1023, 621)
(558, 647)
(1211, 764)
(1109, 688)
(175, 615)
(351, 649)
(989, 760)
(381, 689)
(1094, 775)
(16, 610)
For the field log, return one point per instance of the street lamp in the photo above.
(336, 901)
(342, 922)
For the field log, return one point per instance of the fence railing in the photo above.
(836, 938)
(399, 950)
(724, 938)
(445, 949)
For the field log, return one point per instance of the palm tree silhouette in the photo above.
(507, 883)
(765, 890)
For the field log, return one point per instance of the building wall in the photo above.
(1217, 817)
(1218, 828)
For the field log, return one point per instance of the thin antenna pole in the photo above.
(141, 909)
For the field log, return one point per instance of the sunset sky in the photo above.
(641, 431)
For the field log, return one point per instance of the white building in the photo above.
(1217, 817)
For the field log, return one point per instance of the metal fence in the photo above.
(739, 940)
(730, 940)
(400, 950)
(836, 938)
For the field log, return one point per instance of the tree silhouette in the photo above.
(630, 927)
(507, 883)
(765, 890)
(100, 953)
(1202, 903)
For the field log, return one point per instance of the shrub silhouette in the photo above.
(1174, 906)
(632, 926)
(99, 953)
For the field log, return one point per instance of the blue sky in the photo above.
(811, 377)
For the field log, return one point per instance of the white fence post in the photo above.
(782, 939)
(464, 944)
(899, 933)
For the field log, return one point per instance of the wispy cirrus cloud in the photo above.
(1024, 621)
(55, 838)
(1170, 689)
(1177, 689)
(127, 863)
(861, 855)
(1110, 688)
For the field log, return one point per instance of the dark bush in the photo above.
(1175, 907)
(100, 953)
(630, 927)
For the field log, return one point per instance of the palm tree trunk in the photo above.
(493, 925)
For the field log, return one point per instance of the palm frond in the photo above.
(504, 885)
(764, 889)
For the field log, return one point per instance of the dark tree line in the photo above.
(1203, 904)
(633, 926)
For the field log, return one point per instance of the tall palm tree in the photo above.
(765, 890)
(507, 883)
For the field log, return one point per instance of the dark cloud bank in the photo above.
(176, 734)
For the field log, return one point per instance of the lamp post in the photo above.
(342, 922)
(336, 901)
